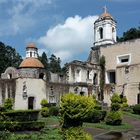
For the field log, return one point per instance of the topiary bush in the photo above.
(115, 98)
(136, 109)
(114, 118)
(44, 103)
(115, 106)
(8, 104)
(76, 133)
(53, 111)
(74, 109)
(45, 112)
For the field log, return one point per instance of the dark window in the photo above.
(95, 79)
(31, 103)
(101, 33)
(82, 93)
(112, 77)
(88, 74)
(138, 99)
(124, 60)
(30, 54)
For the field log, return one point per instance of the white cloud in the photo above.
(22, 15)
(70, 39)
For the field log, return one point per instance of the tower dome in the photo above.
(104, 29)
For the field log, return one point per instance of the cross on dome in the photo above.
(105, 9)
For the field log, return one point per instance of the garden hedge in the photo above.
(21, 126)
(22, 115)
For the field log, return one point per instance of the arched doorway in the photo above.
(41, 75)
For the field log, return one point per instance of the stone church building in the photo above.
(29, 83)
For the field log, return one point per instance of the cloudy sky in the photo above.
(61, 27)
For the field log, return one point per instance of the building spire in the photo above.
(105, 9)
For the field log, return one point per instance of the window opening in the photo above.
(101, 33)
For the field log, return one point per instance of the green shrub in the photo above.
(74, 109)
(98, 107)
(2, 109)
(4, 135)
(115, 98)
(136, 109)
(53, 111)
(44, 103)
(45, 112)
(8, 104)
(22, 115)
(115, 106)
(96, 116)
(76, 133)
(123, 99)
(114, 118)
(21, 126)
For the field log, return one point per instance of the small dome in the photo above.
(31, 63)
(31, 45)
(106, 15)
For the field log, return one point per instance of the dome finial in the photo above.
(105, 9)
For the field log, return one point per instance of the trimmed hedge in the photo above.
(136, 109)
(114, 118)
(45, 112)
(96, 116)
(22, 115)
(21, 126)
(54, 111)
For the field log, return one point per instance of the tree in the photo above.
(64, 69)
(102, 77)
(8, 57)
(132, 33)
(55, 64)
(44, 61)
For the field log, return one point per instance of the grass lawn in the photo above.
(135, 116)
(102, 125)
(50, 132)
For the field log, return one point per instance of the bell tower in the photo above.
(31, 51)
(104, 29)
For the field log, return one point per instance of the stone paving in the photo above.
(133, 134)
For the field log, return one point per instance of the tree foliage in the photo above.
(8, 57)
(132, 33)
(53, 64)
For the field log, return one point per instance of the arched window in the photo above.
(113, 33)
(101, 33)
(9, 76)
